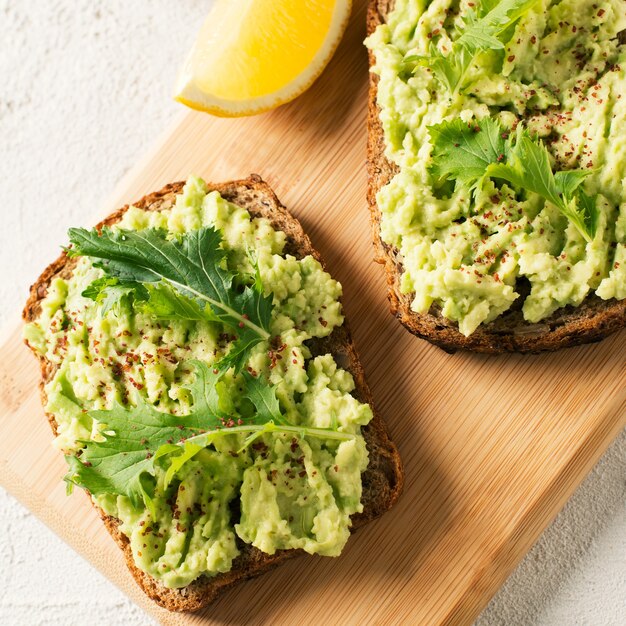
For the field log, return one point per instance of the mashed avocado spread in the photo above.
(554, 68)
(274, 489)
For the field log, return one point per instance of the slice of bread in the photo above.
(593, 320)
(383, 479)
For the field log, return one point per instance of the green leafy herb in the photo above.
(481, 31)
(586, 212)
(109, 292)
(161, 301)
(264, 399)
(166, 303)
(464, 151)
(135, 438)
(182, 278)
(469, 153)
(121, 463)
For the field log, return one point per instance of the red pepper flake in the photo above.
(601, 12)
(511, 58)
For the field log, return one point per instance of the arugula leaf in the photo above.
(257, 430)
(193, 267)
(204, 390)
(118, 464)
(160, 300)
(469, 153)
(264, 399)
(480, 33)
(584, 214)
(568, 181)
(132, 435)
(135, 438)
(109, 292)
(528, 167)
(166, 303)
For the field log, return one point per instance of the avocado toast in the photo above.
(567, 285)
(324, 351)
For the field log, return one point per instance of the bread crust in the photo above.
(382, 481)
(569, 326)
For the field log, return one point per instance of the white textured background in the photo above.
(84, 91)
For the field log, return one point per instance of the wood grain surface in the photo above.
(492, 447)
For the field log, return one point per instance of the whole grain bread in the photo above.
(569, 326)
(383, 479)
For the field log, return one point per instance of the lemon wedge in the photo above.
(254, 55)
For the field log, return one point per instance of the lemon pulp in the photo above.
(252, 55)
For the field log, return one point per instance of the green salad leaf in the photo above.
(463, 152)
(110, 293)
(481, 31)
(134, 438)
(470, 152)
(183, 278)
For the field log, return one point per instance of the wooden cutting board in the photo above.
(493, 447)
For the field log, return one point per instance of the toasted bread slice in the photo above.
(383, 479)
(593, 320)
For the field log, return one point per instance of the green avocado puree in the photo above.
(562, 74)
(282, 491)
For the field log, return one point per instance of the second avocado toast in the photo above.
(445, 260)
